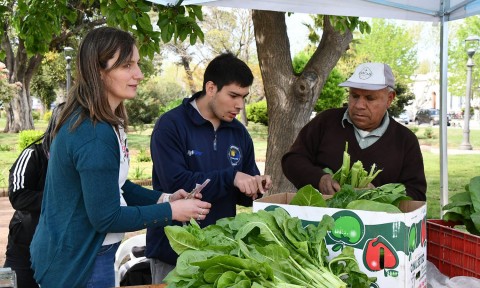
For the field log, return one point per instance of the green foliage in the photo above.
(384, 198)
(170, 105)
(174, 22)
(428, 133)
(142, 110)
(263, 249)
(162, 90)
(137, 173)
(414, 129)
(143, 155)
(464, 207)
(50, 74)
(5, 147)
(332, 96)
(47, 115)
(340, 23)
(153, 94)
(35, 115)
(457, 69)
(388, 43)
(354, 175)
(27, 137)
(36, 27)
(404, 98)
(257, 112)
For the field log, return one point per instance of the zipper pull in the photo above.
(215, 143)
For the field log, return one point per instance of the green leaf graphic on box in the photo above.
(412, 238)
(348, 228)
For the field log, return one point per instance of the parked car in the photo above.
(430, 116)
(403, 118)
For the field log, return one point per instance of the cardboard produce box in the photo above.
(389, 246)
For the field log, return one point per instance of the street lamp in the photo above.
(68, 50)
(471, 45)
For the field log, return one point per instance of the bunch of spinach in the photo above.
(356, 176)
(384, 198)
(464, 207)
(262, 249)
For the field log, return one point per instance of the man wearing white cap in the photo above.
(372, 136)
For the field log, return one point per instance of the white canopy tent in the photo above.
(441, 11)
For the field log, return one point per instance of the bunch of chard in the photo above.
(356, 176)
(465, 207)
(385, 198)
(263, 249)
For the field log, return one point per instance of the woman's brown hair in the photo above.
(87, 98)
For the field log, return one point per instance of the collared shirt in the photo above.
(366, 138)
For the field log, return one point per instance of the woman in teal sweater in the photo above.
(88, 202)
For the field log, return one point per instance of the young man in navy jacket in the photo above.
(201, 139)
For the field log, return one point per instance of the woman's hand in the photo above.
(185, 209)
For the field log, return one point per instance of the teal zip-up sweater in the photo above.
(81, 204)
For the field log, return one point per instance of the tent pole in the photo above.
(443, 113)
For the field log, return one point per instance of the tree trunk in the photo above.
(20, 113)
(290, 97)
(22, 68)
(186, 65)
(243, 114)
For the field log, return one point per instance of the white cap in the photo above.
(371, 76)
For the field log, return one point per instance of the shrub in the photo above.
(170, 105)
(142, 111)
(137, 173)
(47, 116)
(257, 112)
(27, 137)
(414, 129)
(5, 148)
(428, 133)
(143, 156)
(35, 115)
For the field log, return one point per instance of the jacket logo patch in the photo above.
(194, 153)
(234, 155)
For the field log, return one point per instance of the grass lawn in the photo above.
(461, 167)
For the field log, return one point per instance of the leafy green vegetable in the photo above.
(356, 176)
(464, 207)
(308, 196)
(342, 197)
(383, 198)
(263, 249)
(370, 205)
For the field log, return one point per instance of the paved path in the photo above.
(6, 212)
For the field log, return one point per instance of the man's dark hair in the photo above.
(227, 69)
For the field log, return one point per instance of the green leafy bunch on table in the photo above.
(262, 249)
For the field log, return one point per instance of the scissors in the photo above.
(198, 188)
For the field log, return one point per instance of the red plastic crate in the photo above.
(453, 252)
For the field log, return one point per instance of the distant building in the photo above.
(36, 104)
